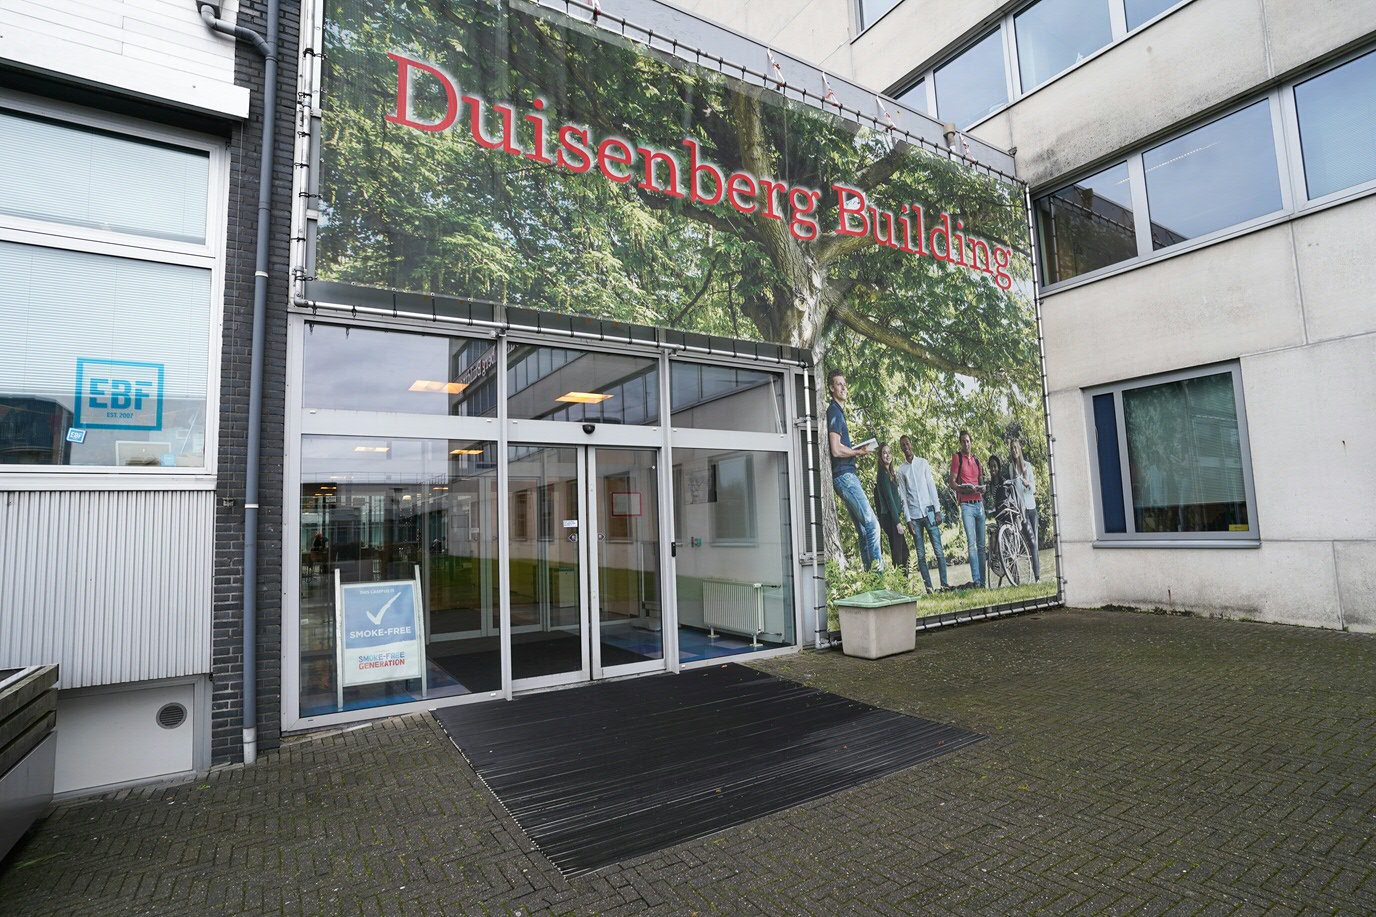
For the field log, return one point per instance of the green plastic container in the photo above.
(879, 598)
(879, 623)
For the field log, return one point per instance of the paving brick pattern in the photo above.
(1138, 764)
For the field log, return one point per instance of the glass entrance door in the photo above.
(585, 578)
(629, 636)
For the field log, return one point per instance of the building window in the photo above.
(1140, 11)
(93, 179)
(106, 304)
(363, 369)
(733, 500)
(1215, 176)
(1337, 126)
(707, 397)
(1054, 35)
(1172, 458)
(1087, 225)
(1029, 47)
(973, 84)
(577, 386)
(871, 10)
(1219, 178)
(915, 97)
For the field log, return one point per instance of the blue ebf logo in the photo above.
(118, 395)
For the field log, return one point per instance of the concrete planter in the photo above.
(880, 623)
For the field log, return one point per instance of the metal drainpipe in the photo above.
(268, 49)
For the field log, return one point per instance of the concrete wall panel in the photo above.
(1159, 77)
(911, 34)
(1302, 30)
(158, 49)
(811, 30)
(1337, 273)
(1074, 488)
(1310, 416)
(814, 33)
(1197, 308)
(1287, 582)
(1357, 583)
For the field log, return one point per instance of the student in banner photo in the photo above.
(921, 509)
(1025, 490)
(966, 478)
(845, 478)
(889, 507)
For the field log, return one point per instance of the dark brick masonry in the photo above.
(227, 639)
(1137, 764)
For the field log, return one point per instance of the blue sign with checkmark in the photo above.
(381, 637)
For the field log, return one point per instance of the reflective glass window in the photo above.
(1172, 458)
(94, 179)
(1139, 11)
(972, 85)
(1185, 457)
(103, 360)
(1337, 115)
(734, 570)
(363, 369)
(1054, 34)
(1216, 176)
(385, 510)
(915, 97)
(871, 10)
(703, 396)
(581, 386)
(1087, 225)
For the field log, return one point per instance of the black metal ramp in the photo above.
(604, 773)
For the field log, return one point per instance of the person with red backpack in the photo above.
(967, 480)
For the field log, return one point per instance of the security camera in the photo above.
(589, 428)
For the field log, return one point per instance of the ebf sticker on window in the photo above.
(118, 395)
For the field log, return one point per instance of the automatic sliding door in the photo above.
(546, 564)
(630, 635)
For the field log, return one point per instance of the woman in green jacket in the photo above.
(889, 507)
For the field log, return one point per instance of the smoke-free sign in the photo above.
(381, 638)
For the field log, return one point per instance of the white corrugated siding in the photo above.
(169, 33)
(112, 586)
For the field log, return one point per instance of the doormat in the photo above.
(600, 774)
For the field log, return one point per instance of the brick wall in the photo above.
(227, 639)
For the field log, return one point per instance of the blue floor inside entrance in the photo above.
(462, 673)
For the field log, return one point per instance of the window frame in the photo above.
(1251, 538)
(1282, 171)
(209, 255)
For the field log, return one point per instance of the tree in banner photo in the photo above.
(503, 152)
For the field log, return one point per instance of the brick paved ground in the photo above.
(1138, 765)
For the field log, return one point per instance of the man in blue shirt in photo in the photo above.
(844, 476)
